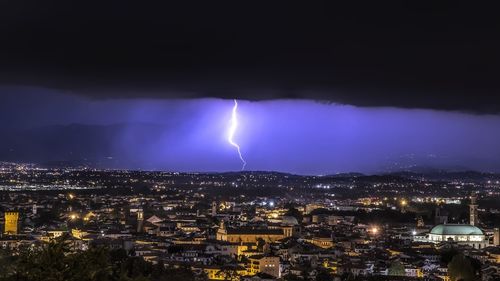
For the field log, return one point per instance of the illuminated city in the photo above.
(257, 223)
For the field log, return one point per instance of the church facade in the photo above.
(252, 235)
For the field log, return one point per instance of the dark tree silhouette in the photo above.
(55, 261)
(460, 269)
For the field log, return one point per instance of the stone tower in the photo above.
(11, 220)
(140, 220)
(474, 220)
(420, 222)
(496, 237)
(214, 209)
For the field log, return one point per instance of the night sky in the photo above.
(322, 87)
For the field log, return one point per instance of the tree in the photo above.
(293, 212)
(292, 277)
(448, 254)
(324, 275)
(460, 269)
(117, 256)
(55, 261)
(135, 267)
(229, 273)
(397, 269)
(6, 264)
(348, 277)
(46, 217)
(179, 274)
(89, 265)
(260, 244)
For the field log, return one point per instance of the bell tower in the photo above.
(140, 220)
(214, 209)
(474, 220)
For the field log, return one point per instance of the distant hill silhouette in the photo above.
(130, 146)
(75, 144)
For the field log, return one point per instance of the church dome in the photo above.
(456, 229)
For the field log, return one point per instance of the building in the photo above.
(474, 219)
(252, 235)
(78, 233)
(496, 237)
(311, 207)
(459, 233)
(219, 273)
(264, 264)
(140, 220)
(322, 242)
(11, 221)
(493, 254)
(463, 234)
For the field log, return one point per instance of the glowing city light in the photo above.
(232, 130)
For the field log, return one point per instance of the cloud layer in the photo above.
(439, 57)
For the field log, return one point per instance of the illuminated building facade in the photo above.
(322, 242)
(464, 234)
(216, 272)
(459, 233)
(251, 235)
(140, 221)
(264, 264)
(11, 221)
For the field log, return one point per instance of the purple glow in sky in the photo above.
(304, 137)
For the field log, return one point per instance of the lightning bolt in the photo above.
(232, 130)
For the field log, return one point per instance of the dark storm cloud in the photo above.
(440, 57)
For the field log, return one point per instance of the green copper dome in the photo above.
(456, 229)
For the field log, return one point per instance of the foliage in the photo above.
(292, 277)
(460, 269)
(448, 254)
(293, 212)
(324, 275)
(260, 244)
(397, 269)
(229, 273)
(46, 217)
(6, 261)
(56, 261)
